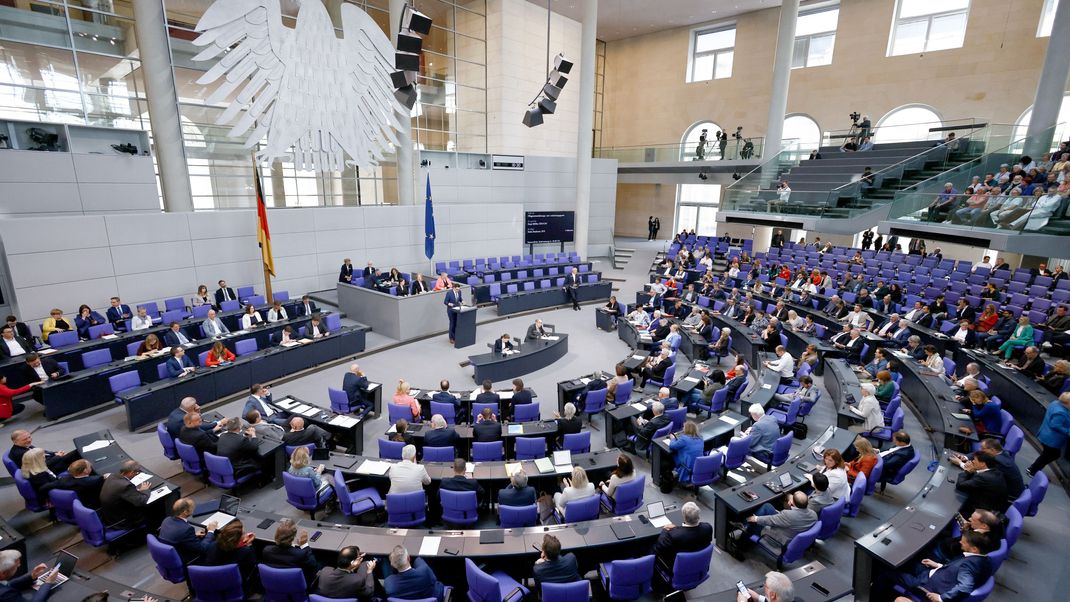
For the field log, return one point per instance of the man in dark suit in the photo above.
(22, 442)
(119, 313)
(307, 307)
(12, 345)
(355, 385)
(369, 270)
(984, 487)
(645, 429)
(956, 580)
(536, 330)
(453, 303)
(351, 577)
(120, 500)
(443, 395)
(487, 428)
(224, 293)
(81, 480)
(1002, 330)
(316, 329)
(460, 482)
(177, 531)
(1030, 363)
(964, 311)
(518, 493)
(259, 400)
(1003, 463)
(239, 448)
(346, 273)
(175, 418)
(897, 457)
(441, 434)
(488, 395)
(12, 586)
(21, 329)
(778, 239)
(411, 580)
(174, 337)
(692, 536)
(300, 434)
(41, 369)
(656, 367)
(194, 434)
(572, 288)
(290, 551)
(552, 566)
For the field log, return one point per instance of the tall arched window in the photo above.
(1022, 125)
(907, 123)
(689, 144)
(801, 132)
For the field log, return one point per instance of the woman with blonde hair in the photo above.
(403, 398)
(576, 488)
(864, 463)
(150, 345)
(36, 471)
(300, 461)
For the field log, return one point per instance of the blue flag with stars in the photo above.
(429, 224)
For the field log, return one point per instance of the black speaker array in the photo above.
(545, 103)
(414, 24)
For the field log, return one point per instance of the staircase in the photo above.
(621, 257)
(883, 194)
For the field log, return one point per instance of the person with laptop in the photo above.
(12, 586)
(693, 535)
(177, 531)
(554, 567)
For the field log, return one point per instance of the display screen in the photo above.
(549, 226)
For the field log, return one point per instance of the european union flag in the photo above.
(429, 224)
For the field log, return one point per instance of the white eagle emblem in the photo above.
(302, 88)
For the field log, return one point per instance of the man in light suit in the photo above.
(355, 385)
(259, 398)
(453, 303)
(119, 313)
(174, 337)
(224, 293)
(572, 287)
(213, 326)
(263, 428)
(307, 307)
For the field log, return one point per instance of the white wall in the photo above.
(62, 261)
(39, 183)
(546, 184)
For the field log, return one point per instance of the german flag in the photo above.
(263, 235)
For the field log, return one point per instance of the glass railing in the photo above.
(745, 149)
(911, 132)
(1029, 210)
(753, 188)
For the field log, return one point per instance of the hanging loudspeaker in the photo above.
(547, 106)
(562, 64)
(532, 117)
(406, 61)
(410, 43)
(415, 20)
(406, 96)
(403, 78)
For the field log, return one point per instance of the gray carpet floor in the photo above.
(1035, 569)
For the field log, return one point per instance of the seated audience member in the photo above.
(487, 395)
(290, 551)
(878, 364)
(443, 395)
(645, 429)
(955, 580)
(218, 354)
(174, 335)
(22, 442)
(443, 282)
(120, 500)
(777, 587)
(764, 432)
(213, 326)
(885, 387)
(914, 348)
(351, 576)
(521, 395)
(806, 392)
(1002, 462)
(355, 384)
(178, 364)
(964, 334)
(411, 580)
(835, 470)
(595, 384)
(260, 400)
(686, 447)
(408, 476)
(518, 493)
(419, 285)
(933, 360)
(307, 307)
(869, 409)
(86, 319)
(984, 412)
(981, 521)
(690, 536)
(201, 298)
(655, 367)
(820, 498)
(238, 447)
(897, 456)
(193, 434)
(174, 419)
(569, 424)
(402, 397)
(401, 432)
(1030, 363)
(233, 545)
(316, 329)
(55, 322)
(781, 526)
(11, 586)
(624, 472)
(576, 488)
(224, 293)
(20, 328)
(8, 406)
(1055, 380)
(441, 434)
(141, 321)
(984, 487)
(80, 479)
(487, 428)
(460, 482)
(12, 345)
(864, 462)
(36, 472)
(303, 434)
(150, 346)
(1021, 336)
(287, 337)
(263, 428)
(552, 566)
(177, 531)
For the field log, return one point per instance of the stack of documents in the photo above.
(343, 421)
(373, 467)
(98, 444)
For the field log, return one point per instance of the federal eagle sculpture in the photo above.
(328, 99)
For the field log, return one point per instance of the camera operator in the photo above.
(722, 142)
(864, 125)
(700, 150)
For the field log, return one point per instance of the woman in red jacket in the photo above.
(8, 406)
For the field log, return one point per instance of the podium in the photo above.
(466, 326)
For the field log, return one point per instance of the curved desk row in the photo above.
(467, 398)
(533, 355)
(932, 396)
(841, 383)
(546, 429)
(552, 297)
(89, 387)
(151, 403)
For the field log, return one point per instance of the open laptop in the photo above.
(656, 512)
(321, 454)
(65, 562)
(227, 511)
(563, 459)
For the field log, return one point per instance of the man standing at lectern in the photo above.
(453, 304)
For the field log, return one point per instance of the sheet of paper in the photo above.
(660, 521)
(728, 420)
(638, 357)
(373, 467)
(469, 467)
(512, 468)
(109, 336)
(737, 477)
(544, 465)
(286, 403)
(220, 518)
(159, 493)
(691, 379)
(299, 408)
(552, 338)
(414, 392)
(585, 380)
(305, 341)
(640, 407)
(94, 446)
(343, 421)
(140, 478)
(504, 395)
(46, 351)
(373, 386)
(429, 546)
(668, 440)
(472, 396)
(310, 411)
(767, 386)
(393, 429)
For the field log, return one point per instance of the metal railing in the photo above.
(745, 149)
(936, 130)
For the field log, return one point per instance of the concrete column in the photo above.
(1052, 84)
(150, 26)
(404, 152)
(778, 103)
(585, 138)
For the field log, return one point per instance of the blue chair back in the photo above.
(95, 332)
(166, 442)
(96, 357)
(124, 381)
(798, 545)
(459, 507)
(526, 412)
(997, 557)
(245, 347)
(577, 591)
(1024, 502)
(530, 448)
(595, 402)
(216, 583)
(830, 519)
(355, 503)
(582, 509)
(131, 348)
(477, 408)
(628, 579)
(623, 392)
(245, 292)
(191, 460)
(1015, 439)
(390, 450)
(280, 296)
(63, 505)
(339, 401)
(678, 416)
(707, 469)
(578, 443)
(487, 451)
(174, 304)
(781, 449)
(1038, 486)
(232, 305)
(518, 516)
(301, 493)
(691, 568)
(63, 339)
(406, 509)
(736, 453)
(906, 469)
(1014, 525)
(439, 454)
(33, 503)
(629, 496)
(92, 529)
(220, 471)
(396, 411)
(9, 464)
(162, 372)
(283, 584)
(201, 311)
(666, 381)
(168, 562)
(858, 491)
(875, 476)
(447, 410)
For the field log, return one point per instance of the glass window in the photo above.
(698, 208)
(689, 147)
(712, 54)
(1047, 18)
(815, 37)
(928, 25)
(1061, 130)
(907, 124)
(800, 132)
